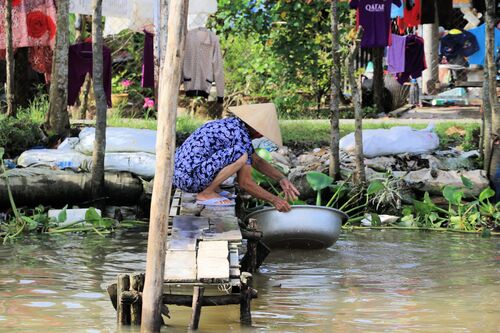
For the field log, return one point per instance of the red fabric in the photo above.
(33, 23)
(40, 59)
(411, 18)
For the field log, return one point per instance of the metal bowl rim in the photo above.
(344, 215)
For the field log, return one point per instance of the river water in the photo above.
(369, 281)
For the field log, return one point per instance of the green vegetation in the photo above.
(20, 133)
(37, 221)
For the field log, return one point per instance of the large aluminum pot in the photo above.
(302, 227)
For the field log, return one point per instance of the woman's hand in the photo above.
(281, 205)
(291, 192)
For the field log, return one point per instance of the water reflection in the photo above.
(369, 281)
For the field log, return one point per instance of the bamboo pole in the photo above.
(165, 146)
(122, 308)
(9, 58)
(334, 168)
(136, 285)
(97, 180)
(355, 83)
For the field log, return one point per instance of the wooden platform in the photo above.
(200, 243)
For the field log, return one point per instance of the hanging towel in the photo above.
(396, 54)
(203, 64)
(80, 64)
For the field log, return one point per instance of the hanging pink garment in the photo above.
(40, 58)
(33, 23)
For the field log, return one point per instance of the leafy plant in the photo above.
(318, 182)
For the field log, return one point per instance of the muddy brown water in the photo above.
(373, 281)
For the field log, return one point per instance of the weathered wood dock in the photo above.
(202, 266)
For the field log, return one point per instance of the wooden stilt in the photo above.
(252, 246)
(246, 298)
(197, 303)
(123, 309)
(136, 285)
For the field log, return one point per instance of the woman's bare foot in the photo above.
(207, 195)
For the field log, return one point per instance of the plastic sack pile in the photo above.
(394, 141)
(127, 149)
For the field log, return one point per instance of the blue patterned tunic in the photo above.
(208, 150)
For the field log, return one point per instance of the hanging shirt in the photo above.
(33, 23)
(396, 55)
(398, 11)
(414, 59)
(411, 17)
(80, 64)
(461, 44)
(477, 58)
(375, 18)
(203, 64)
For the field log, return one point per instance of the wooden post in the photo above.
(252, 246)
(246, 299)
(378, 79)
(197, 303)
(359, 178)
(491, 112)
(9, 58)
(58, 117)
(122, 309)
(136, 285)
(165, 147)
(334, 168)
(97, 180)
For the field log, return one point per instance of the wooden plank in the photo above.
(213, 263)
(223, 228)
(180, 266)
(183, 241)
(214, 212)
(190, 223)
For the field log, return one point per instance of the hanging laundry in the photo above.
(33, 23)
(414, 59)
(396, 55)
(113, 8)
(148, 69)
(445, 10)
(203, 64)
(411, 17)
(458, 44)
(477, 58)
(40, 58)
(80, 64)
(398, 11)
(375, 18)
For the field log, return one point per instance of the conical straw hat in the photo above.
(262, 118)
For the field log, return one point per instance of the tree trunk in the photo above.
(58, 117)
(378, 79)
(359, 174)
(430, 76)
(335, 95)
(101, 106)
(165, 147)
(160, 44)
(9, 59)
(490, 86)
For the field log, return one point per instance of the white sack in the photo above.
(68, 144)
(52, 158)
(119, 140)
(141, 164)
(397, 140)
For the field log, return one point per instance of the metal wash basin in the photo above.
(302, 227)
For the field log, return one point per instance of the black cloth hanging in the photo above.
(445, 8)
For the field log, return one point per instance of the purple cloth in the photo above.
(414, 59)
(396, 54)
(375, 18)
(148, 60)
(80, 64)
